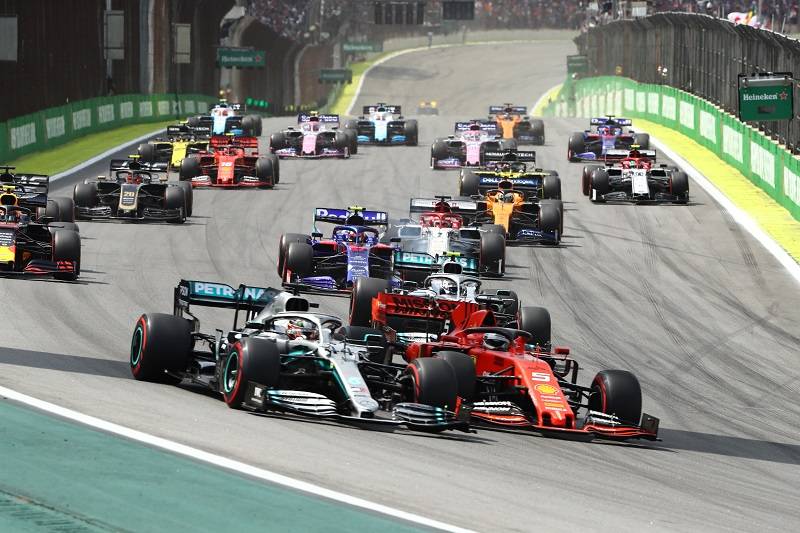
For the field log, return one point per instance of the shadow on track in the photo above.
(761, 450)
(66, 363)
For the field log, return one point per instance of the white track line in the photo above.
(741, 217)
(100, 157)
(542, 97)
(224, 462)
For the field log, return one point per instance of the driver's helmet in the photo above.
(495, 341)
(444, 286)
(503, 166)
(348, 235)
(604, 130)
(297, 328)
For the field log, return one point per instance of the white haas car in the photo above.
(316, 136)
(440, 239)
(467, 148)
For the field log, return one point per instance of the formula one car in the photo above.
(440, 238)
(383, 124)
(513, 124)
(227, 118)
(518, 218)
(233, 162)
(510, 166)
(316, 136)
(32, 192)
(605, 133)
(35, 248)
(284, 358)
(133, 191)
(180, 141)
(635, 178)
(467, 148)
(314, 263)
(506, 379)
(428, 107)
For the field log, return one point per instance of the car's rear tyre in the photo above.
(190, 168)
(61, 209)
(188, 195)
(470, 183)
(493, 254)
(508, 144)
(71, 226)
(160, 343)
(643, 140)
(193, 122)
(434, 382)
(551, 188)
(85, 195)
(494, 228)
(299, 259)
(411, 130)
(352, 134)
(550, 219)
(251, 125)
(536, 321)
(147, 153)
(464, 368)
(618, 393)
(586, 178)
(249, 360)
(277, 141)
(439, 150)
(265, 171)
(679, 183)
(364, 290)
(174, 198)
(283, 247)
(576, 146)
(537, 129)
(67, 247)
(600, 185)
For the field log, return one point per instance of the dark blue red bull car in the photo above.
(314, 263)
(605, 134)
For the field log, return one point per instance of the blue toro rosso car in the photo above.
(383, 124)
(604, 134)
(313, 263)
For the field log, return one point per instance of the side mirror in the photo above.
(448, 338)
(316, 235)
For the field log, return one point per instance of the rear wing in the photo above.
(422, 205)
(211, 294)
(325, 119)
(135, 164)
(220, 141)
(38, 183)
(485, 126)
(520, 109)
(369, 109)
(617, 154)
(618, 121)
(180, 130)
(521, 184)
(528, 156)
(387, 305)
(356, 216)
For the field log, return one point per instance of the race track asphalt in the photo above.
(680, 295)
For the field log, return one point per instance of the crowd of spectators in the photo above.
(287, 18)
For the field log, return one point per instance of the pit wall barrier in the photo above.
(764, 162)
(57, 125)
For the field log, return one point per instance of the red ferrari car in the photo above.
(504, 380)
(231, 162)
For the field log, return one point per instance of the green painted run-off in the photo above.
(61, 476)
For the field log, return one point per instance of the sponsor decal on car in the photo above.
(546, 389)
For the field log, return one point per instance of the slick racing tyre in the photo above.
(643, 140)
(364, 290)
(464, 368)
(536, 321)
(411, 131)
(160, 343)
(352, 134)
(679, 184)
(277, 141)
(283, 247)
(494, 228)
(193, 122)
(576, 146)
(493, 254)
(61, 209)
(434, 382)
(67, 247)
(586, 178)
(299, 259)
(85, 195)
(618, 393)
(537, 130)
(174, 198)
(188, 195)
(251, 125)
(551, 217)
(551, 187)
(470, 183)
(600, 185)
(147, 153)
(71, 226)
(190, 168)
(265, 171)
(249, 360)
(439, 151)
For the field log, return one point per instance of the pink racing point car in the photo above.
(316, 136)
(232, 162)
(469, 144)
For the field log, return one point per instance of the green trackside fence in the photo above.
(57, 125)
(763, 161)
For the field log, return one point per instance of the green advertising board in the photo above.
(766, 97)
(333, 75)
(577, 64)
(228, 57)
(362, 47)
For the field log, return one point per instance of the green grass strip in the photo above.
(75, 152)
(342, 102)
